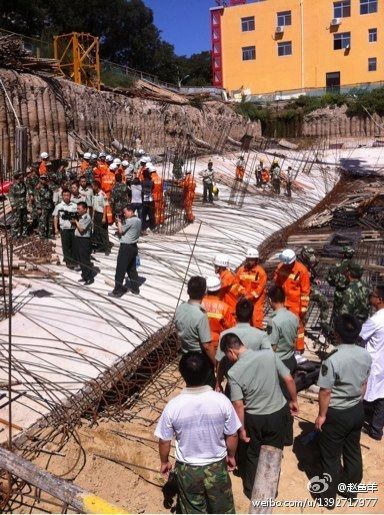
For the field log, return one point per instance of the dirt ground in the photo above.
(118, 460)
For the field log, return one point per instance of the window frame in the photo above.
(251, 48)
(368, 3)
(372, 60)
(342, 5)
(284, 44)
(284, 14)
(247, 20)
(340, 37)
(372, 32)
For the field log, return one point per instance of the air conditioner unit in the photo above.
(335, 22)
(279, 29)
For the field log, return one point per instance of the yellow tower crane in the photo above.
(78, 58)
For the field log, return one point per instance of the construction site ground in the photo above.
(116, 457)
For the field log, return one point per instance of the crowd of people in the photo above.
(79, 204)
(271, 178)
(239, 366)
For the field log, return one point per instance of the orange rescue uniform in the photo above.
(219, 317)
(84, 165)
(100, 170)
(252, 284)
(43, 168)
(240, 170)
(265, 176)
(189, 186)
(296, 284)
(158, 197)
(229, 289)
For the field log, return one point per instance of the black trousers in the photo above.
(276, 185)
(148, 212)
(100, 238)
(262, 430)
(126, 264)
(208, 192)
(84, 249)
(340, 439)
(374, 415)
(68, 244)
(291, 364)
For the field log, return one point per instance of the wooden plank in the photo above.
(70, 494)
(267, 479)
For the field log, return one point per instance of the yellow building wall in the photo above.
(312, 56)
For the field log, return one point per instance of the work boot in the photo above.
(90, 281)
(116, 293)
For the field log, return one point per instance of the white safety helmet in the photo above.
(151, 168)
(213, 283)
(125, 163)
(87, 156)
(109, 158)
(102, 154)
(145, 159)
(94, 156)
(113, 167)
(252, 254)
(141, 152)
(44, 155)
(221, 260)
(287, 257)
(117, 161)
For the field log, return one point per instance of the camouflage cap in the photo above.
(17, 175)
(348, 251)
(355, 269)
(308, 250)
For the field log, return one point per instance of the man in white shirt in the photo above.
(205, 426)
(372, 334)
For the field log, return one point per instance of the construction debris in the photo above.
(13, 55)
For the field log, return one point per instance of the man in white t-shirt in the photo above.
(205, 426)
(372, 333)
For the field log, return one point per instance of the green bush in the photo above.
(114, 79)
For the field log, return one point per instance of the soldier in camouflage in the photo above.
(119, 195)
(337, 277)
(18, 200)
(355, 300)
(44, 204)
(32, 180)
(307, 256)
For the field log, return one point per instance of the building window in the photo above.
(342, 9)
(284, 18)
(249, 53)
(372, 64)
(284, 48)
(341, 41)
(368, 6)
(372, 35)
(248, 24)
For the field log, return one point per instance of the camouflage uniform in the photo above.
(88, 173)
(198, 483)
(307, 256)
(18, 200)
(119, 197)
(44, 202)
(336, 277)
(31, 183)
(355, 300)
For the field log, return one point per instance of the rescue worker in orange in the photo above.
(158, 195)
(43, 166)
(229, 292)
(240, 169)
(265, 177)
(101, 168)
(294, 278)
(108, 181)
(143, 165)
(219, 313)
(189, 186)
(252, 280)
(84, 165)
